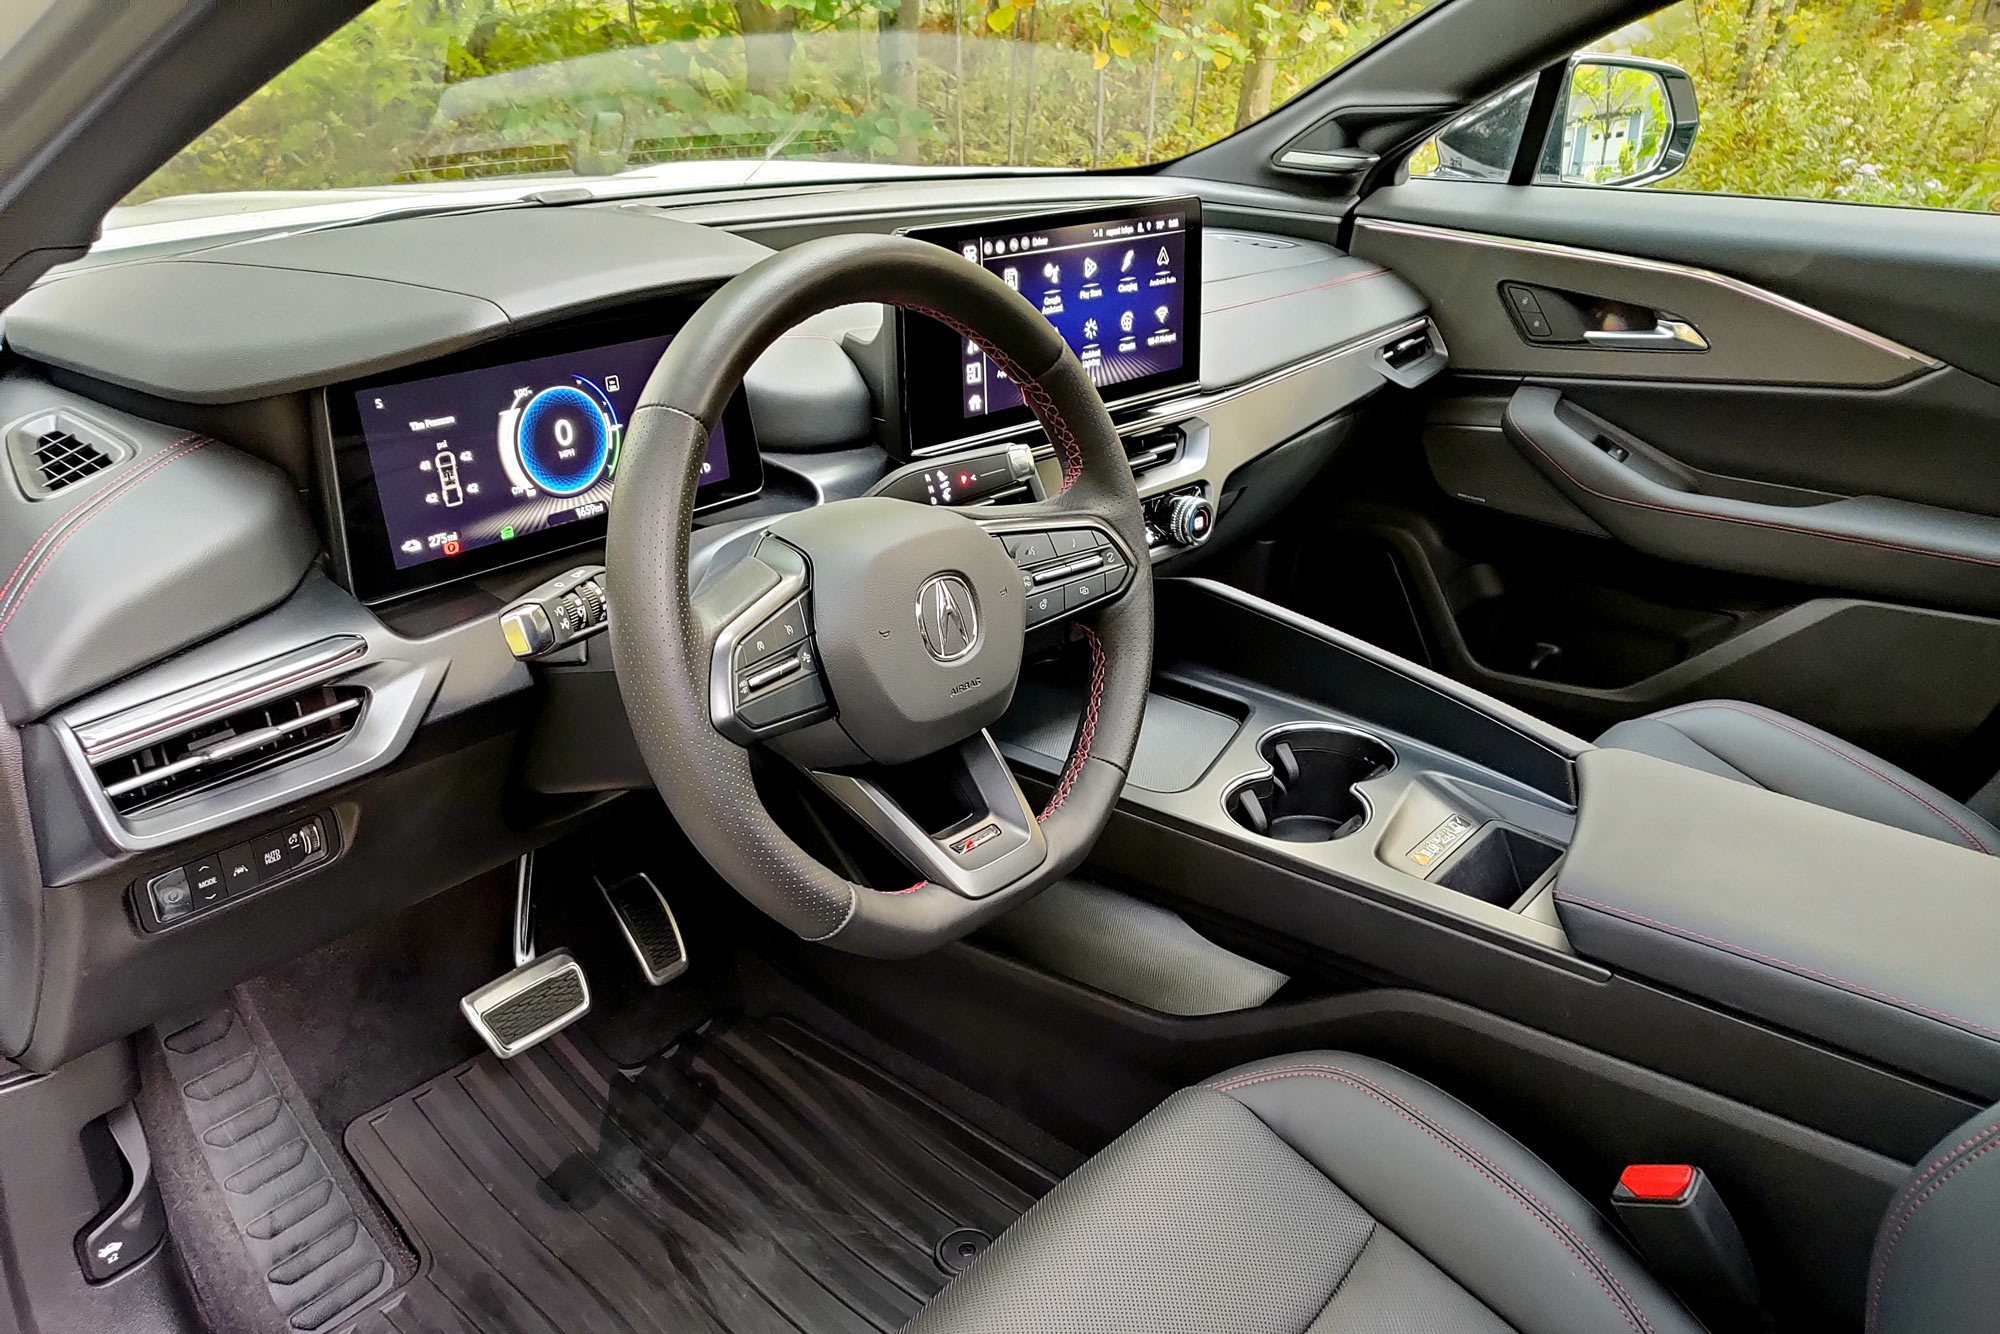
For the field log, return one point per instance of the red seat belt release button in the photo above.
(1661, 1182)
(1689, 1239)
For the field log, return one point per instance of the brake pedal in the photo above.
(535, 1001)
(649, 927)
(542, 996)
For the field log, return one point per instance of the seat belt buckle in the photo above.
(1687, 1235)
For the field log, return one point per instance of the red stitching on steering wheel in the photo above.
(1038, 400)
(1086, 733)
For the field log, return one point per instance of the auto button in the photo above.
(269, 854)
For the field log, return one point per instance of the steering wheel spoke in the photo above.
(1070, 560)
(958, 817)
(765, 676)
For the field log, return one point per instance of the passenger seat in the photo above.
(1772, 750)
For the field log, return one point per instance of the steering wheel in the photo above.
(871, 641)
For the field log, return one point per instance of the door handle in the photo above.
(1666, 335)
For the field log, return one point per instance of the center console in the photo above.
(1870, 938)
(1329, 806)
(1281, 740)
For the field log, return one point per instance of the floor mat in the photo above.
(757, 1179)
(291, 1215)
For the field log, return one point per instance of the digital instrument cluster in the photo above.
(492, 463)
(1122, 284)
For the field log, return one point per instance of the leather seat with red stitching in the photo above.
(1768, 749)
(1329, 1193)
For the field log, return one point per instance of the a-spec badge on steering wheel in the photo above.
(948, 616)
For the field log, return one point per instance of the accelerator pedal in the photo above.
(649, 927)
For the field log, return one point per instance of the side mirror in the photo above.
(1625, 121)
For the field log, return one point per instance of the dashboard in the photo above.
(332, 459)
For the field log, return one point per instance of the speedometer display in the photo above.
(489, 456)
(562, 439)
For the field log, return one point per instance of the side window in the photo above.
(1887, 103)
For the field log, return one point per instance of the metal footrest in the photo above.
(649, 927)
(535, 1001)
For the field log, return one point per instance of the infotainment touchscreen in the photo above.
(485, 465)
(1121, 283)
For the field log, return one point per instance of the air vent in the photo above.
(1155, 449)
(55, 450)
(224, 749)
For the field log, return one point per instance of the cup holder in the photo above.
(1309, 795)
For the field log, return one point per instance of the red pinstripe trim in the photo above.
(1773, 525)
(1744, 951)
(118, 487)
(1547, 1217)
(107, 498)
(1778, 721)
(1341, 281)
(1916, 1194)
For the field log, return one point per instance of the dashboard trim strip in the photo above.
(134, 728)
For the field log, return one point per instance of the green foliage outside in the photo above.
(418, 90)
(1870, 101)
(1874, 101)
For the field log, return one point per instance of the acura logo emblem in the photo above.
(947, 617)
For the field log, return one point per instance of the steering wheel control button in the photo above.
(1029, 548)
(783, 703)
(172, 899)
(1080, 593)
(1069, 541)
(1048, 574)
(771, 675)
(786, 630)
(1084, 565)
(215, 878)
(1076, 554)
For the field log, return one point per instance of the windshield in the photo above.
(428, 94)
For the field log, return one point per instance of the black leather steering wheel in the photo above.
(871, 641)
